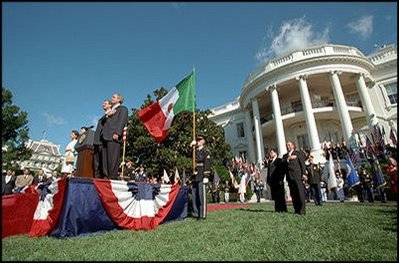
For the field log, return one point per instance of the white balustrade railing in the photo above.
(389, 53)
(301, 55)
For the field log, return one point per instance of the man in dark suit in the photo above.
(295, 170)
(39, 178)
(275, 179)
(8, 183)
(98, 143)
(112, 133)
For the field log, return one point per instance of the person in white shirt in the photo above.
(243, 186)
(70, 154)
(8, 182)
(340, 188)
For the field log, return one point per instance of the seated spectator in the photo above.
(8, 183)
(392, 171)
(153, 180)
(39, 178)
(24, 179)
(226, 188)
(129, 171)
(141, 175)
(55, 175)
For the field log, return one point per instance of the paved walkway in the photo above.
(230, 205)
(220, 206)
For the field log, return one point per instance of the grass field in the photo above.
(335, 231)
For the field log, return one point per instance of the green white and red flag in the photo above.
(158, 117)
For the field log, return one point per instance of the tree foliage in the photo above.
(174, 151)
(15, 131)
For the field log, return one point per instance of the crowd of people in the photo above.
(293, 177)
(308, 181)
(14, 182)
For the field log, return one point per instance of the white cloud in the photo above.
(293, 34)
(177, 5)
(53, 120)
(362, 26)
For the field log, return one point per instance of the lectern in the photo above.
(85, 149)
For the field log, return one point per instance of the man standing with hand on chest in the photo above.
(112, 136)
(295, 171)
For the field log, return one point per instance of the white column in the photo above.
(278, 121)
(342, 108)
(366, 101)
(248, 134)
(258, 133)
(315, 147)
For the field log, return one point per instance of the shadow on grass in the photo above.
(256, 210)
(392, 224)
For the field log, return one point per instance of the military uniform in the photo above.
(202, 170)
(258, 187)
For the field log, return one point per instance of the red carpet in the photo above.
(214, 207)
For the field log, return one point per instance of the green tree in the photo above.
(14, 132)
(175, 151)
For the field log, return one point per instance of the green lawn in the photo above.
(335, 231)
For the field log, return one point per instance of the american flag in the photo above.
(216, 180)
(384, 136)
(352, 156)
(393, 138)
(369, 147)
(124, 134)
(378, 140)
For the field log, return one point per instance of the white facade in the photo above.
(45, 155)
(309, 96)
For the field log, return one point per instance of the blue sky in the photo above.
(61, 60)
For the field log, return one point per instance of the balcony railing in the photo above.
(315, 104)
(310, 52)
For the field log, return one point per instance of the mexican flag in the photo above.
(158, 117)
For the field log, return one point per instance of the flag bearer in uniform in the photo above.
(200, 177)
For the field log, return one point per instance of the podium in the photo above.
(85, 149)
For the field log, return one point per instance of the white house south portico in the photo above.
(310, 96)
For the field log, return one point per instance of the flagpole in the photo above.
(194, 139)
(124, 151)
(123, 159)
(194, 129)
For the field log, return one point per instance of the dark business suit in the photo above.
(98, 148)
(111, 151)
(37, 179)
(275, 179)
(295, 168)
(6, 188)
(314, 179)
